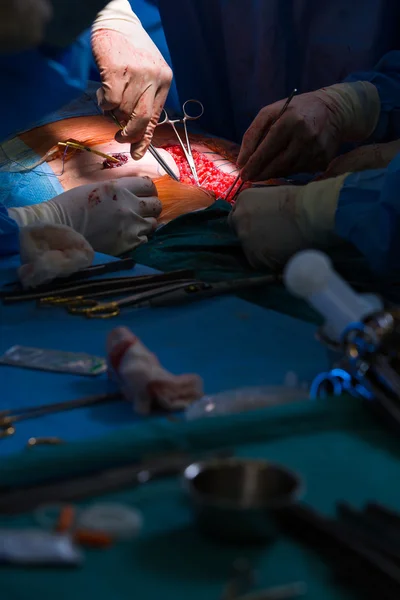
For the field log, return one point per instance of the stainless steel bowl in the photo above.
(238, 499)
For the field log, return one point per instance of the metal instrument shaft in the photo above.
(282, 111)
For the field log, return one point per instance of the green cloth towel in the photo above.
(162, 435)
(204, 241)
(336, 446)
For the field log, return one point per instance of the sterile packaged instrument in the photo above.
(115, 519)
(35, 547)
(58, 361)
(247, 399)
(363, 332)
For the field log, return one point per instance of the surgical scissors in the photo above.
(167, 294)
(94, 309)
(187, 150)
(106, 287)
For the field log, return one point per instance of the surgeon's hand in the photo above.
(135, 77)
(307, 136)
(273, 223)
(50, 251)
(374, 156)
(113, 217)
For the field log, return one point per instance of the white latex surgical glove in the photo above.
(308, 135)
(273, 223)
(50, 251)
(22, 23)
(113, 217)
(135, 77)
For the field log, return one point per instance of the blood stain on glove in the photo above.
(94, 198)
(109, 164)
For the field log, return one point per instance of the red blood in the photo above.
(115, 197)
(94, 198)
(117, 353)
(109, 164)
(210, 177)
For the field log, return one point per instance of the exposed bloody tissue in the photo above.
(109, 164)
(210, 177)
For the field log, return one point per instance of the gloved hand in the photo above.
(135, 77)
(50, 251)
(114, 217)
(375, 156)
(307, 136)
(22, 23)
(273, 223)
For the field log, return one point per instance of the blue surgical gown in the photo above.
(34, 83)
(386, 78)
(37, 82)
(9, 242)
(237, 56)
(368, 213)
(368, 216)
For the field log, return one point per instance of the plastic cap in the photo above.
(307, 273)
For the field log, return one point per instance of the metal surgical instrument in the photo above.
(96, 310)
(282, 111)
(56, 294)
(200, 290)
(187, 150)
(153, 151)
(11, 416)
(15, 292)
(169, 294)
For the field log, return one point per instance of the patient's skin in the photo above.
(86, 167)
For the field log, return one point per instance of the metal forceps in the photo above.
(187, 150)
(281, 113)
(98, 310)
(112, 287)
(153, 151)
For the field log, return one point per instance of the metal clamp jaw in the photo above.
(370, 362)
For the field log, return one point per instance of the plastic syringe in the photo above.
(310, 275)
